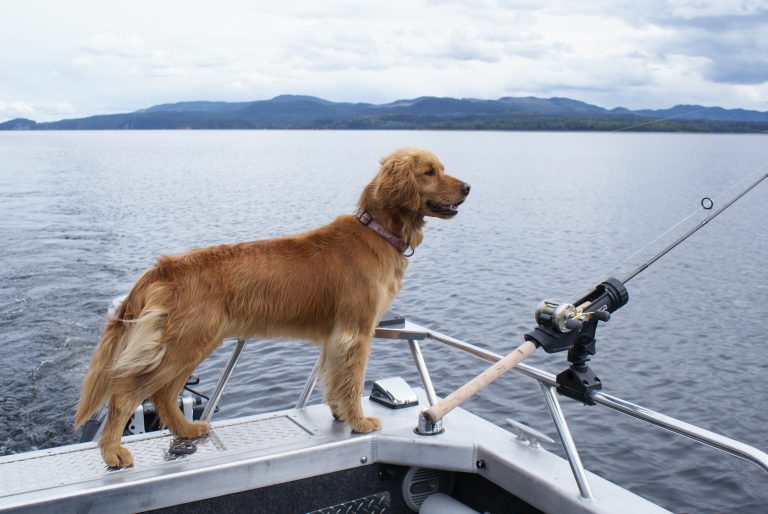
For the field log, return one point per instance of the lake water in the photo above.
(550, 215)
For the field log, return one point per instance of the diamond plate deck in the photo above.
(41, 470)
(283, 447)
(373, 504)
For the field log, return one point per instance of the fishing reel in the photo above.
(571, 326)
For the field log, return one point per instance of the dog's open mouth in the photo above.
(444, 209)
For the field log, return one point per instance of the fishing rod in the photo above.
(565, 326)
(707, 204)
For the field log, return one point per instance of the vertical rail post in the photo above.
(421, 366)
(424, 426)
(225, 375)
(309, 386)
(569, 446)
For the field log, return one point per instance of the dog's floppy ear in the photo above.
(396, 186)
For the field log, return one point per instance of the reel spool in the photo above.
(556, 316)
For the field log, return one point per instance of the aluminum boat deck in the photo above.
(259, 451)
(265, 452)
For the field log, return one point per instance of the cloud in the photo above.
(111, 44)
(699, 9)
(21, 109)
(738, 69)
(653, 53)
(736, 47)
(731, 36)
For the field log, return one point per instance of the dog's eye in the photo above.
(430, 173)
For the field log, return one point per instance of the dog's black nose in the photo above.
(465, 188)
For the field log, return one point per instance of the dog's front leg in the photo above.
(346, 359)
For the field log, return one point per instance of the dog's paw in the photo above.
(117, 457)
(365, 425)
(193, 430)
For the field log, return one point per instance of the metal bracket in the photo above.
(394, 326)
(393, 392)
(426, 427)
(528, 435)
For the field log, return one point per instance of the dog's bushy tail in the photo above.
(130, 346)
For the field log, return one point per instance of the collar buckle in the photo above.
(364, 217)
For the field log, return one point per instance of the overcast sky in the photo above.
(62, 59)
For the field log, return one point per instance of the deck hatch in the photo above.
(67, 466)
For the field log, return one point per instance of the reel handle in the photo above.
(574, 324)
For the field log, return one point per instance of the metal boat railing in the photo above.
(413, 333)
(699, 434)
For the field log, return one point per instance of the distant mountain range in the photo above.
(508, 113)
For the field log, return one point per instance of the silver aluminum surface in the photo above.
(210, 407)
(537, 476)
(421, 366)
(425, 426)
(309, 386)
(136, 423)
(408, 330)
(80, 463)
(394, 391)
(533, 437)
(726, 444)
(259, 451)
(374, 504)
(569, 446)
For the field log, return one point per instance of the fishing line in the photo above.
(660, 236)
(705, 206)
(764, 174)
(722, 193)
(657, 120)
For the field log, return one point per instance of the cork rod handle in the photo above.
(468, 390)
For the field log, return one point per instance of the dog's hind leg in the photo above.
(166, 403)
(346, 359)
(121, 407)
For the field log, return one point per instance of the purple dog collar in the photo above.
(367, 220)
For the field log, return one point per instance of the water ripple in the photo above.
(549, 215)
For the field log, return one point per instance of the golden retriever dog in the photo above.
(329, 286)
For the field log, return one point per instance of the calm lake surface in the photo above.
(550, 215)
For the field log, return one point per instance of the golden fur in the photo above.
(329, 286)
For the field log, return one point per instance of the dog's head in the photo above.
(412, 180)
